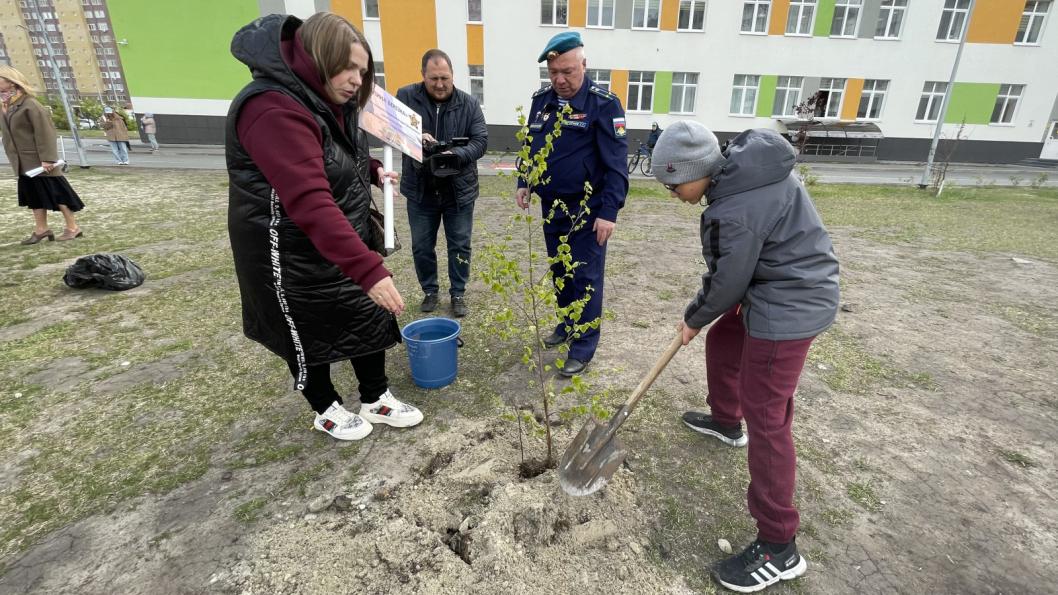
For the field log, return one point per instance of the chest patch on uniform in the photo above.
(577, 117)
(574, 124)
(619, 127)
(536, 127)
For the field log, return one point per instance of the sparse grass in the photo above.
(863, 494)
(845, 365)
(1016, 458)
(1029, 318)
(248, 511)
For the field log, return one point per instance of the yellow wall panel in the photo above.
(995, 21)
(350, 9)
(619, 85)
(578, 13)
(853, 92)
(409, 28)
(670, 10)
(780, 9)
(475, 44)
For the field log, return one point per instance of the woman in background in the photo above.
(30, 143)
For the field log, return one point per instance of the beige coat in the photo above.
(149, 126)
(115, 128)
(29, 136)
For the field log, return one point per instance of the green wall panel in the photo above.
(824, 18)
(181, 49)
(766, 95)
(662, 92)
(972, 101)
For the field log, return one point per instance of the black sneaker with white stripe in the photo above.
(757, 568)
(703, 423)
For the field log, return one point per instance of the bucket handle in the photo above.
(459, 341)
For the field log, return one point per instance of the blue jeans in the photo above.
(118, 148)
(425, 219)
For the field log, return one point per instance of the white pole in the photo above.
(387, 197)
(924, 182)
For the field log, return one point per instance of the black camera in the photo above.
(441, 164)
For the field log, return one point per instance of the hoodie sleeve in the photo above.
(286, 144)
(731, 252)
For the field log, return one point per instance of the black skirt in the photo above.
(47, 192)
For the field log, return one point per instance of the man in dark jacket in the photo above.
(445, 186)
(772, 281)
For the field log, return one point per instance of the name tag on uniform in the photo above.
(575, 124)
(536, 127)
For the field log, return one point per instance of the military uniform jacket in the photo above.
(592, 148)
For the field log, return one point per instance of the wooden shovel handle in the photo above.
(644, 384)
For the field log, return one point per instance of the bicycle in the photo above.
(641, 159)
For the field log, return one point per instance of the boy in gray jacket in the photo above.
(771, 286)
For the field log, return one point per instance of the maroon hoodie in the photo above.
(286, 143)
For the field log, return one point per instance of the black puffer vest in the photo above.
(295, 302)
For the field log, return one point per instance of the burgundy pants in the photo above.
(756, 379)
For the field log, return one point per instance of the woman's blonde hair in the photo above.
(328, 38)
(17, 78)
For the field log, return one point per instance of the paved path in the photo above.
(889, 172)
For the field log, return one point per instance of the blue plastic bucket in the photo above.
(433, 350)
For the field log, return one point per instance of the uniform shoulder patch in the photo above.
(542, 90)
(602, 92)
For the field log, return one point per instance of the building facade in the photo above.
(82, 43)
(880, 66)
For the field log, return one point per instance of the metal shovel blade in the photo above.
(590, 460)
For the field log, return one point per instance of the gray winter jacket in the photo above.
(765, 245)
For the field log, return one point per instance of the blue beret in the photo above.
(560, 44)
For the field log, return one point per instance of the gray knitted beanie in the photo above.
(686, 151)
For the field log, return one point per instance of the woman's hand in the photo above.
(48, 165)
(687, 332)
(385, 294)
(383, 175)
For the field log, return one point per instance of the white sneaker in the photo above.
(341, 423)
(388, 410)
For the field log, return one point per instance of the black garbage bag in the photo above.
(105, 271)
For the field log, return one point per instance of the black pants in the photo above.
(370, 371)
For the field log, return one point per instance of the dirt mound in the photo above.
(463, 523)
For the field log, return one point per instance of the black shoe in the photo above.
(757, 568)
(429, 303)
(701, 422)
(459, 306)
(572, 367)
(554, 339)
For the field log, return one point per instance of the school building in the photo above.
(879, 69)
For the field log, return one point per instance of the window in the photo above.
(600, 13)
(684, 87)
(846, 18)
(477, 82)
(929, 104)
(872, 99)
(890, 19)
(370, 9)
(600, 77)
(1032, 22)
(787, 95)
(800, 17)
(645, 14)
(91, 26)
(953, 20)
(640, 91)
(1006, 104)
(692, 16)
(380, 74)
(102, 15)
(103, 27)
(473, 11)
(755, 16)
(744, 95)
(545, 79)
(553, 12)
(829, 103)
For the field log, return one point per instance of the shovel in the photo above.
(595, 453)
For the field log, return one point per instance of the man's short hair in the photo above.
(433, 54)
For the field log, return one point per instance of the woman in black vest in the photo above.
(312, 291)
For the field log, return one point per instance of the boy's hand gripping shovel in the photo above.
(595, 453)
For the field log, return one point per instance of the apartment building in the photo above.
(879, 69)
(82, 43)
